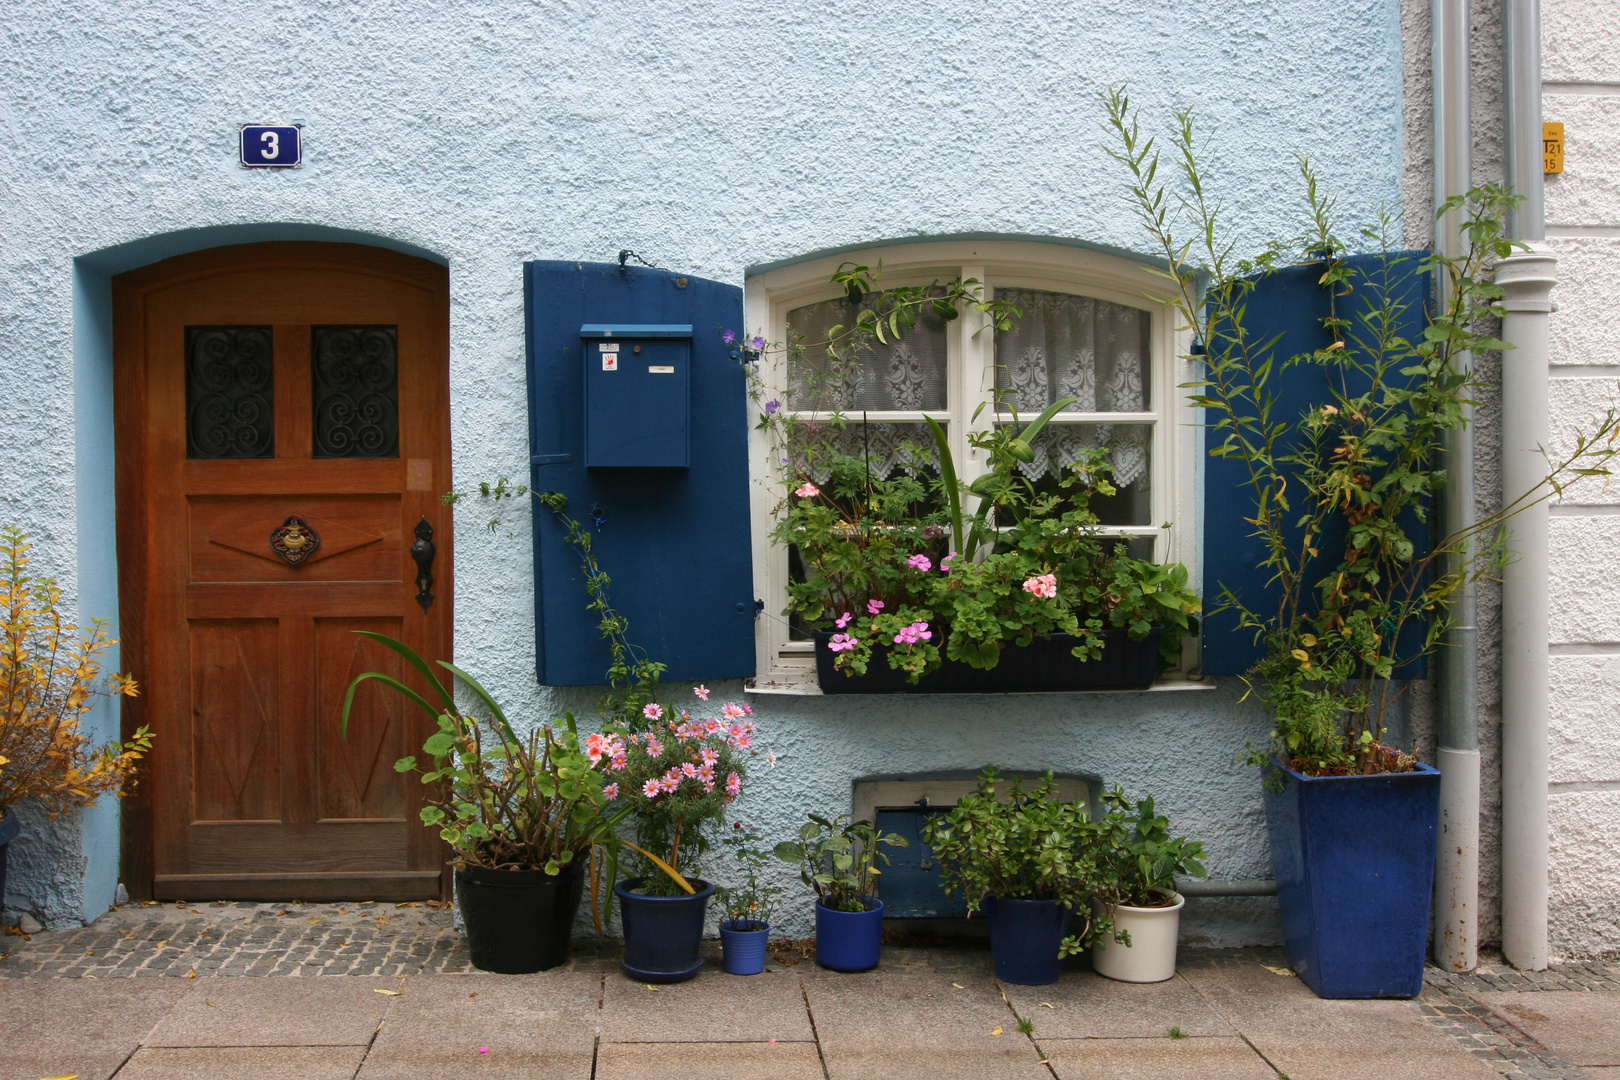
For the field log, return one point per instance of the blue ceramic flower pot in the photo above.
(10, 825)
(662, 934)
(1024, 939)
(1354, 859)
(850, 940)
(742, 946)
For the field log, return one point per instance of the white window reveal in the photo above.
(1091, 329)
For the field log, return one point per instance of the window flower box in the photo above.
(1045, 664)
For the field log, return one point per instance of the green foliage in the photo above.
(838, 858)
(1013, 844)
(1142, 855)
(1361, 467)
(751, 900)
(499, 800)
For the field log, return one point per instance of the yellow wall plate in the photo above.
(1552, 146)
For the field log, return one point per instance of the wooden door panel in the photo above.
(359, 538)
(357, 772)
(326, 847)
(245, 655)
(235, 720)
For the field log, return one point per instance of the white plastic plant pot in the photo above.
(1151, 955)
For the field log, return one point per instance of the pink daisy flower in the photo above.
(702, 692)
(611, 792)
(653, 711)
(733, 784)
(651, 789)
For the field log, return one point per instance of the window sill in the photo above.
(803, 684)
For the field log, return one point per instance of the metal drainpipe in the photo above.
(1456, 872)
(1527, 280)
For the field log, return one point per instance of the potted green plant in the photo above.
(1028, 859)
(1142, 861)
(748, 906)
(838, 858)
(50, 677)
(1339, 485)
(919, 582)
(520, 813)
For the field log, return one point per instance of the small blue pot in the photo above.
(662, 934)
(10, 825)
(742, 946)
(1354, 858)
(850, 940)
(1024, 939)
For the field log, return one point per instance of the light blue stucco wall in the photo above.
(708, 138)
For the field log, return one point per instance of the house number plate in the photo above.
(271, 146)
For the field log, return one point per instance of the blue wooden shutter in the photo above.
(1289, 302)
(674, 542)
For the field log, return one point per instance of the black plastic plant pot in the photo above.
(1045, 664)
(662, 934)
(10, 825)
(518, 921)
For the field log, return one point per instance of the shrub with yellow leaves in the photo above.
(50, 676)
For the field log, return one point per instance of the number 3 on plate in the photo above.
(272, 145)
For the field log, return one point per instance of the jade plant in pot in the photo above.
(747, 906)
(1142, 861)
(1332, 383)
(838, 858)
(521, 813)
(50, 677)
(917, 578)
(1031, 862)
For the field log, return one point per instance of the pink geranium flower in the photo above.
(874, 606)
(807, 490)
(920, 562)
(843, 620)
(1044, 586)
(840, 642)
(917, 631)
(945, 563)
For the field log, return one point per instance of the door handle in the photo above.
(422, 551)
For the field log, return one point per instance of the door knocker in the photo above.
(294, 540)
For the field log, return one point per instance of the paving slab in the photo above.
(711, 1061)
(528, 1027)
(1084, 1005)
(53, 1027)
(922, 1026)
(244, 1063)
(1582, 1028)
(714, 1007)
(316, 1011)
(1164, 1058)
(1308, 1038)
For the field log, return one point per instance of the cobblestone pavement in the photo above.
(184, 940)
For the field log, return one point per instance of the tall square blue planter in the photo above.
(1354, 860)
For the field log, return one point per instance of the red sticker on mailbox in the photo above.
(610, 361)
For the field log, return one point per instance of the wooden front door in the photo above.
(282, 429)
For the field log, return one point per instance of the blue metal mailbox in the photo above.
(637, 395)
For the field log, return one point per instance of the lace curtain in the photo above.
(1079, 347)
(887, 447)
(906, 374)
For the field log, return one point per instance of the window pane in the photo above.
(1129, 458)
(355, 380)
(906, 374)
(229, 395)
(1073, 346)
(884, 449)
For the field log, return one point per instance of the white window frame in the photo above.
(785, 666)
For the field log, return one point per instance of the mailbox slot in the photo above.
(637, 395)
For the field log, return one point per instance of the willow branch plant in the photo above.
(1358, 469)
(50, 677)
